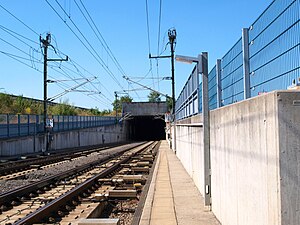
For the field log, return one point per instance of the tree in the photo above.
(6, 102)
(20, 105)
(154, 97)
(64, 109)
(169, 103)
(96, 112)
(117, 104)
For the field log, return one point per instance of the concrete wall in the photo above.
(289, 151)
(244, 162)
(255, 159)
(189, 150)
(144, 108)
(67, 139)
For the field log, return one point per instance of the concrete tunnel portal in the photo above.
(144, 121)
(146, 128)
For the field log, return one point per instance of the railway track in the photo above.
(81, 192)
(18, 168)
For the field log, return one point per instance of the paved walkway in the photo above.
(173, 198)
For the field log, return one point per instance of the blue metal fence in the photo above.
(212, 88)
(23, 125)
(274, 46)
(232, 75)
(272, 62)
(187, 103)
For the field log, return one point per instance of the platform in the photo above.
(173, 197)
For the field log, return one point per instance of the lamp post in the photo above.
(202, 68)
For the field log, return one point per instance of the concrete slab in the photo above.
(99, 222)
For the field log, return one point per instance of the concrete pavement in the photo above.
(173, 198)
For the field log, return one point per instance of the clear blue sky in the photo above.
(212, 26)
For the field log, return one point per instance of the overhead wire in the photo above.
(78, 72)
(9, 31)
(98, 35)
(158, 40)
(18, 20)
(33, 59)
(75, 64)
(63, 72)
(148, 36)
(101, 39)
(18, 57)
(98, 58)
(12, 45)
(63, 68)
(79, 38)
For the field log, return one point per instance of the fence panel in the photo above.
(212, 88)
(187, 102)
(3, 126)
(23, 125)
(232, 74)
(274, 47)
(274, 53)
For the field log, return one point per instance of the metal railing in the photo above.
(23, 125)
(264, 59)
(187, 102)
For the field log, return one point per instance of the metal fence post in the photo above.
(68, 122)
(19, 124)
(219, 85)
(7, 122)
(58, 126)
(206, 127)
(246, 65)
(28, 124)
(37, 121)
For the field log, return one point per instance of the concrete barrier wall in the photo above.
(189, 150)
(67, 139)
(244, 162)
(255, 159)
(289, 151)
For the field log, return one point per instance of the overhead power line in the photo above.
(148, 36)
(11, 32)
(158, 39)
(18, 20)
(100, 37)
(23, 60)
(19, 59)
(90, 49)
(148, 27)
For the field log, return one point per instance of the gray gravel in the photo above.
(124, 216)
(46, 172)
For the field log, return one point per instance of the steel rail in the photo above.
(52, 207)
(24, 164)
(9, 196)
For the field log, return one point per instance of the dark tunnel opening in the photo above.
(146, 128)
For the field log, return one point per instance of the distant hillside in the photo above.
(12, 104)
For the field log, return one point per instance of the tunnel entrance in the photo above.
(146, 128)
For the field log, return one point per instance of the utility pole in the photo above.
(172, 41)
(116, 104)
(46, 43)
